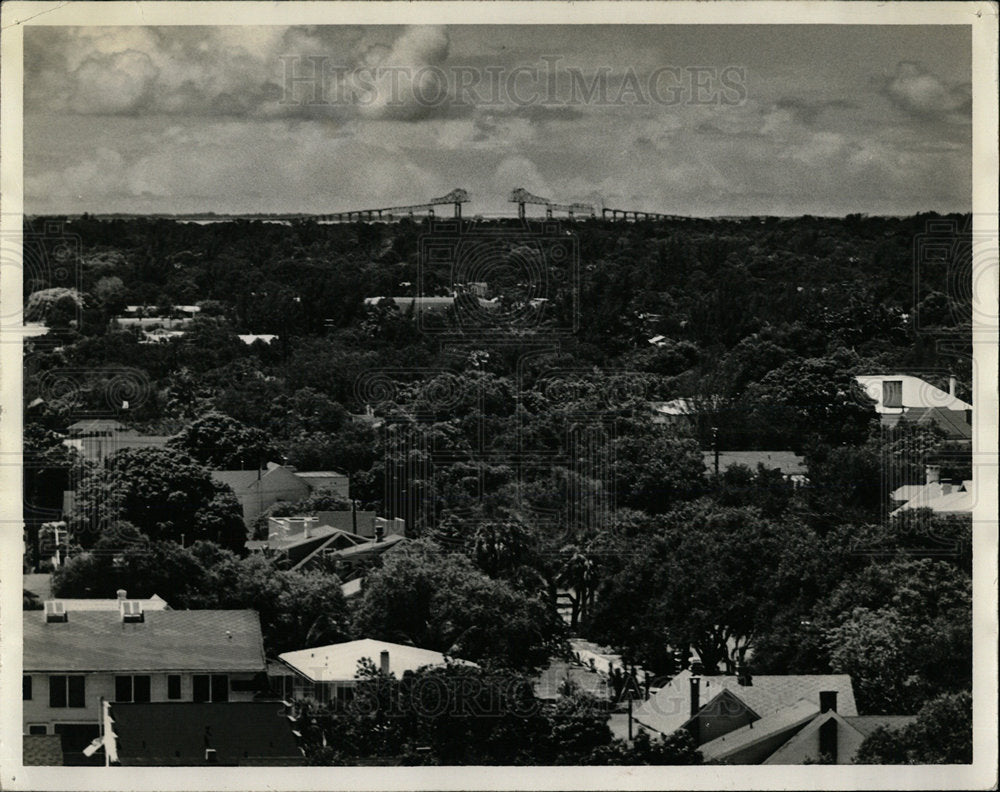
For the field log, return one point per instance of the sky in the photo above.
(693, 120)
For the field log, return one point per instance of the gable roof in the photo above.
(167, 640)
(95, 425)
(177, 733)
(238, 479)
(952, 422)
(915, 392)
(339, 662)
(788, 462)
(802, 744)
(961, 500)
(670, 708)
(773, 726)
(41, 749)
(361, 550)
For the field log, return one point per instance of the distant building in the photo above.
(327, 673)
(255, 734)
(251, 338)
(99, 438)
(791, 465)
(898, 393)
(256, 490)
(75, 658)
(741, 718)
(941, 497)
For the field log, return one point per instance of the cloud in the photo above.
(921, 93)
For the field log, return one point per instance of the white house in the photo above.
(896, 393)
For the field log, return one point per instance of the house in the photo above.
(941, 497)
(712, 706)
(352, 557)
(898, 393)
(250, 338)
(296, 547)
(833, 737)
(74, 659)
(684, 413)
(956, 424)
(256, 490)
(327, 673)
(97, 439)
(246, 733)
(791, 465)
(153, 603)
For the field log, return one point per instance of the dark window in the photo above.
(173, 686)
(77, 692)
(220, 687)
(892, 393)
(201, 687)
(57, 691)
(140, 689)
(123, 689)
(26, 688)
(38, 728)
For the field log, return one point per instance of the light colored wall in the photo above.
(37, 710)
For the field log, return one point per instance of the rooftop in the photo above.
(167, 640)
(42, 749)
(783, 721)
(339, 662)
(670, 708)
(788, 462)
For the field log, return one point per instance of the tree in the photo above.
(297, 609)
(654, 471)
(711, 578)
(56, 307)
(223, 443)
(941, 734)
(163, 492)
(674, 749)
(429, 598)
(903, 631)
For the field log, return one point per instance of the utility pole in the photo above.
(715, 447)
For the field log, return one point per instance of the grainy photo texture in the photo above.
(407, 395)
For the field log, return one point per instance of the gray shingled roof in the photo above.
(42, 749)
(169, 640)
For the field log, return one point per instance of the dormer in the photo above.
(55, 611)
(131, 611)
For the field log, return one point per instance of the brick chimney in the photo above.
(828, 700)
(952, 384)
(932, 474)
(122, 594)
(383, 659)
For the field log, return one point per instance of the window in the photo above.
(211, 688)
(173, 686)
(130, 689)
(892, 393)
(220, 687)
(67, 691)
(37, 728)
(26, 688)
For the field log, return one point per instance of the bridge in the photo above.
(456, 198)
(520, 196)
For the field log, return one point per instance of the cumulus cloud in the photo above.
(924, 94)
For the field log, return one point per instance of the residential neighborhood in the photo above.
(432, 443)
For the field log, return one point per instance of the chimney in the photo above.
(695, 687)
(383, 661)
(946, 488)
(828, 701)
(952, 382)
(379, 529)
(932, 473)
(743, 676)
(121, 594)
